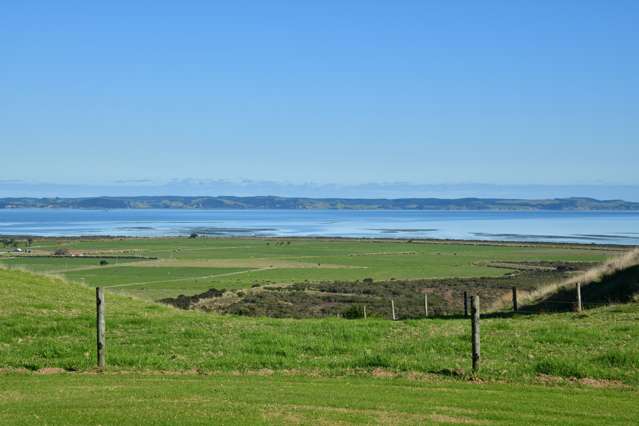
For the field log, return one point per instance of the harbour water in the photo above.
(551, 226)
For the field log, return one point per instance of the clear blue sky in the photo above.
(543, 92)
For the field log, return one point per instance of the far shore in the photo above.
(594, 246)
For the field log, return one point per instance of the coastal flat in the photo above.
(157, 268)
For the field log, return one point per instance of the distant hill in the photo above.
(272, 202)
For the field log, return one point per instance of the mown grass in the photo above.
(51, 323)
(128, 399)
(380, 260)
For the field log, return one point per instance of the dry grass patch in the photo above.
(596, 274)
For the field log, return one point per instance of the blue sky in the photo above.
(347, 92)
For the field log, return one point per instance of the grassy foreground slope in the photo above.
(183, 367)
(51, 323)
(123, 399)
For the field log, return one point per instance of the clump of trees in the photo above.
(9, 242)
(12, 242)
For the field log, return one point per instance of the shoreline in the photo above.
(445, 241)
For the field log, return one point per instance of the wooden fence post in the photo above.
(393, 309)
(101, 325)
(426, 304)
(364, 311)
(475, 333)
(465, 304)
(579, 307)
(515, 306)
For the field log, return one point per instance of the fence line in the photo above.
(475, 338)
(426, 304)
(578, 297)
(474, 317)
(465, 303)
(100, 327)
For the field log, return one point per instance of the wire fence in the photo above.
(129, 325)
(420, 304)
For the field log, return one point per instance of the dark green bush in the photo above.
(353, 312)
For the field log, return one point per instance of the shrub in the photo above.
(61, 251)
(353, 312)
(103, 262)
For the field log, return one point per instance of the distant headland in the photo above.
(299, 203)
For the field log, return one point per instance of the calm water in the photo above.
(588, 227)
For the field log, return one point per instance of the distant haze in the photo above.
(18, 188)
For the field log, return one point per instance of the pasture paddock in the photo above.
(191, 266)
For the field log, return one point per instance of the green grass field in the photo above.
(51, 323)
(170, 366)
(190, 266)
(545, 369)
(80, 399)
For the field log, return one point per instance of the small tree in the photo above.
(193, 235)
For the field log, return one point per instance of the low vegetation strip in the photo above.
(124, 399)
(349, 299)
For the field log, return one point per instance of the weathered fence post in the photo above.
(101, 325)
(426, 304)
(364, 311)
(579, 307)
(393, 309)
(515, 306)
(465, 304)
(475, 333)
